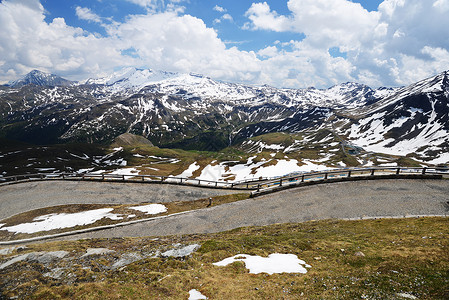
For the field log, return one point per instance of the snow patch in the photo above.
(189, 172)
(125, 171)
(151, 209)
(274, 263)
(196, 295)
(63, 220)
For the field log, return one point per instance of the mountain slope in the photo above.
(39, 78)
(195, 112)
(415, 120)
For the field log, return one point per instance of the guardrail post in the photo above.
(258, 187)
(63, 176)
(102, 177)
(325, 175)
(349, 173)
(302, 179)
(123, 177)
(398, 171)
(216, 183)
(143, 178)
(247, 185)
(232, 185)
(199, 182)
(280, 182)
(424, 171)
(162, 178)
(372, 172)
(181, 180)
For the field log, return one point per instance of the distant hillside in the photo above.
(129, 139)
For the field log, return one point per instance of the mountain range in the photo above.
(191, 111)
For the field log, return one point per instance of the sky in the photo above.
(283, 43)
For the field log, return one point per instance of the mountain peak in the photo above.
(131, 77)
(40, 78)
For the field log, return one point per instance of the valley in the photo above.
(196, 126)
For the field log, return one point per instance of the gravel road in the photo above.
(336, 200)
(17, 198)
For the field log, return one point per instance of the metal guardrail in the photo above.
(125, 178)
(351, 173)
(257, 185)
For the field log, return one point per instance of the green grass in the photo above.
(401, 256)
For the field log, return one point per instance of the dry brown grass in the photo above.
(401, 256)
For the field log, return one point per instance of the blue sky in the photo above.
(229, 31)
(284, 43)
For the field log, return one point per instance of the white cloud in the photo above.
(143, 3)
(402, 42)
(225, 17)
(269, 51)
(262, 17)
(219, 9)
(181, 43)
(157, 5)
(385, 47)
(441, 4)
(85, 13)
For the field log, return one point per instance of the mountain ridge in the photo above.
(178, 109)
(40, 78)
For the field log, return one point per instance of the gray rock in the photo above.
(48, 257)
(97, 251)
(126, 259)
(55, 273)
(6, 251)
(18, 258)
(181, 252)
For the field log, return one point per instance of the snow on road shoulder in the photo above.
(63, 220)
(274, 263)
(151, 209)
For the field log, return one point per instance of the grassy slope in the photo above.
(401, 256)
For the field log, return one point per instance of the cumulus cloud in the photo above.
(182, 43)
(262, 17)
(401, 42)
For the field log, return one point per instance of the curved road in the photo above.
(21, 197)
(335, 200)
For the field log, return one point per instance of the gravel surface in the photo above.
(337, 200)
(18, 198)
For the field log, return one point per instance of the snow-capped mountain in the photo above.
(412, 121)
(196, 112)
(132, 80)
(39, 78)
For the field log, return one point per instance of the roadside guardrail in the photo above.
(257, 186)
